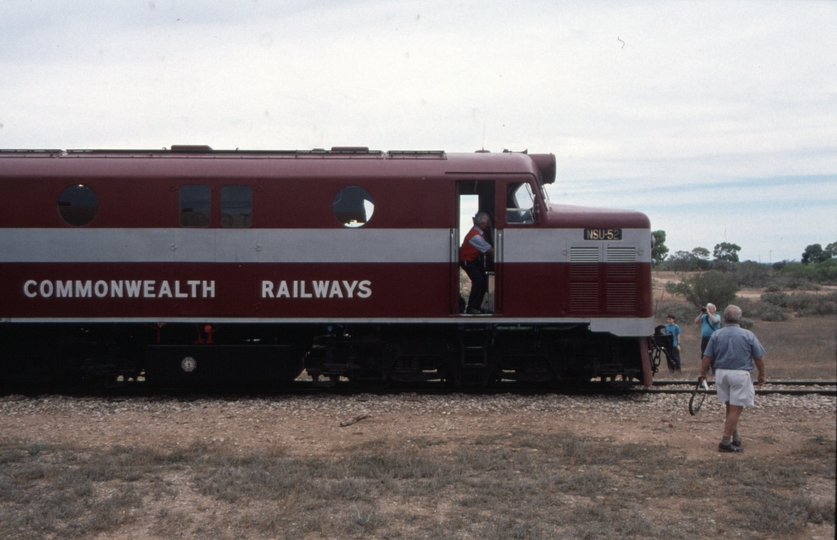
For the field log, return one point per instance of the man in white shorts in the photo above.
(735, 352)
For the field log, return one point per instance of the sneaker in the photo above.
(473, 311)
(729, 448)
(737, 444)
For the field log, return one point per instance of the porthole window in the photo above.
(195, 201)
(78, 205)
(236, 206)
(353, 206)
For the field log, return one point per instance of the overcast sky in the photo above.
(718, 119)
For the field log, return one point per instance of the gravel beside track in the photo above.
(312, 424)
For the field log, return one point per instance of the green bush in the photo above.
(759, 309)
(751, 274)
(797, 301)
(776, 298)
(708, 287)
(798, 283)
(684, 313)
(798, 273)
(826, 271)
(772, 313)
(807, 304)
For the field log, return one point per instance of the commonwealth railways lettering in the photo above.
(139, 288)
(317, 289)
(149, 288)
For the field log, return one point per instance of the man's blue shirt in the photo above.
(732, 347)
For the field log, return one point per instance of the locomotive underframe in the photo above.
(269, 356)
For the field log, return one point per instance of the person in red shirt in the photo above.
(474, 245)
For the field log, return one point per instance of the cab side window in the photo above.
(195, 202)
(520, 204)
(236, 206)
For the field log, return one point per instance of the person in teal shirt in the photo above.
(673, 353)
(709, 321)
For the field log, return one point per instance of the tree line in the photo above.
(718, 280)
(723, 256)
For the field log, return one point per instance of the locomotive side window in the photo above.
(520, 204)
(194, 205)
(77, 205)
(236, 206)
(353, 206)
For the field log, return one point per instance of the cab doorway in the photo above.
(473, 197)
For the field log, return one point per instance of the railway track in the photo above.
(793, 388)
(305, 388)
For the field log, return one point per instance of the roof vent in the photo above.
(191, 148)
(349, 148)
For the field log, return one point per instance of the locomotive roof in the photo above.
(422, 161)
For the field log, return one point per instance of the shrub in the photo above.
(683, 312)
(797, 301)
(772, 313)
(682, 261)
(701, 289)
(720, 265)
(826, 271)
(822, 272)
(776, 298)
(807, 304)
(751, 274)
(761, 310)
(781, 283)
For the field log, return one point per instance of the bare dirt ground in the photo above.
(335, 427)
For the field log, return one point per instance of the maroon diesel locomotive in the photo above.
(192, 266)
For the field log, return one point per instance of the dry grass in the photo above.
(796, 349)
(516, 485)
(800, 347)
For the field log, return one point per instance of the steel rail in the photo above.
(693, 382)
(759, 391)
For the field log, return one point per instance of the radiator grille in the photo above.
(621, 296)
(603, 288)
(584, 271)
(621, 254)
(621, 271)
(584, 296)
(584, 255)
(584, 279)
